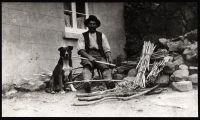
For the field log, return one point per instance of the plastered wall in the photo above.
(33, 32)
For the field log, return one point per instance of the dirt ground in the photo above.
(169, 103)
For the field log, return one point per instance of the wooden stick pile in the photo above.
(143, 64)
(94, 98)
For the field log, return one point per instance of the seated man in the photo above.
(94, 45)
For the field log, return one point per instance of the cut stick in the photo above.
(118, 98)
(98, 61)
(93, 81)
(106, 95)
(95, 93)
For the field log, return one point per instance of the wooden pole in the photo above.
(97, 61)
(93, 81)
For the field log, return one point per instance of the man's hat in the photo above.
(92, 18)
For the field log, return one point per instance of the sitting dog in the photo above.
(63, 71)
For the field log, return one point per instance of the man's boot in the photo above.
(87, 75)
(107, 75)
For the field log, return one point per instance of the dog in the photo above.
(63, 71)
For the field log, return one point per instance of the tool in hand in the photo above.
(98, 61)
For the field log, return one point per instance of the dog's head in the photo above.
(65, 52)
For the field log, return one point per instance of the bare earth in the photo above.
(40, 104)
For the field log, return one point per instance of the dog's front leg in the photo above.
(51, 82)
(73, 88)
(61, 84)
(71, 85)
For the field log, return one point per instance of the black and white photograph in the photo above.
(99, 59)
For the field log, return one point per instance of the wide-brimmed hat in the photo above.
(92, 18)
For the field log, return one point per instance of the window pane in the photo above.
(68, 14)
(80, 21)
(80, 7)
(68, 19)
(67, 6)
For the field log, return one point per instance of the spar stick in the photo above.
(98, 61)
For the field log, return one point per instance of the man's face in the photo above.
(92, 25)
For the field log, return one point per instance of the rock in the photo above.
(169, 68)
(31, 85)
(178, 60)
(182, 86)
(183, 67)
(132, 72)
(193, 70)
(163, 80)
(163, 41)
(11, 92)
(191, 49)
(123, 69)
(118, 76)
(193, 78)
(7, 87)
(179, 75)
(175, 46)
(191, 53)
(168, 59)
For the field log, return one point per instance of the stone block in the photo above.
(118, 76)
(31, 85)
(182, 86)
(193, 78)
(183, 67)
(193, 70)
(179, 75)
(163, 80)
(169, 68)
(178, 60)
(7, 87)
(132, 72)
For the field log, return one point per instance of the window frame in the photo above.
(74, 28)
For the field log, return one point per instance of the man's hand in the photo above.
(84, 54)
(92, 59)
(108, 57)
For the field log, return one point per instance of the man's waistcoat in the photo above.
(99, 42)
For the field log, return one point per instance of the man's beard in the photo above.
(92, 30)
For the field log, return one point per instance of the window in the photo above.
(75, 14)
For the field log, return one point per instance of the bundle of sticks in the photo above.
(143, 64)
(156, 69)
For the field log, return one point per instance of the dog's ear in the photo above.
(70, 47)
(60, 48)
